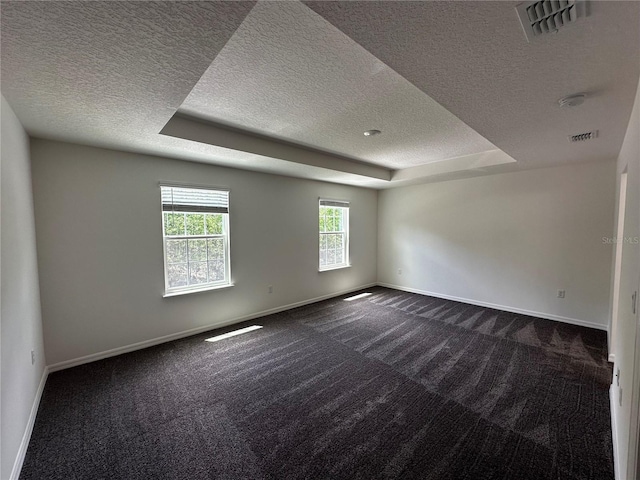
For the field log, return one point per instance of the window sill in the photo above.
(196, 290)
(336, 267)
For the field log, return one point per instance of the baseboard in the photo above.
(194, 331)
(614, 433)
(531, 313)
(26, 437)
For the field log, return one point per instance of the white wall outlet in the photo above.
(560, 293)
(618, 377)
(270, 288)
(620, 397)
(33, 357)
(399, 271)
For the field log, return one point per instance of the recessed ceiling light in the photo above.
(572, 100)
(371, 133)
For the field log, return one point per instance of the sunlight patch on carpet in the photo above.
(356, 297)
(234, 333)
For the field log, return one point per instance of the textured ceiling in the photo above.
(473, 59)
(113, 74)
(288, 73)
(86, 69)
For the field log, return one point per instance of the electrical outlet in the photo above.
(399, 271)
(270, 288)
(560, 293)
(634, 301)
(620, 397)
(33, 357)
(618, 377)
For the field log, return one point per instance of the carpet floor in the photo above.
(393, 385)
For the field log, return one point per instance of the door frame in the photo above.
(617, 271)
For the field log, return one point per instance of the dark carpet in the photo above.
(394, 385)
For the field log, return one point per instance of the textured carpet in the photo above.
(394, 385)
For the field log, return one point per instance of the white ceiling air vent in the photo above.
(548, 16)
(582, 137)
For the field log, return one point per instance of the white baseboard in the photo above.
(548, 316)
(26, 437)
(614, 433)
(194, 331)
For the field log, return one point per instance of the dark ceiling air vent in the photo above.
(548, 16)
(583, 137)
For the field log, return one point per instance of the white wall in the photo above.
(626, 345)
(510, 240)
(21, 326)
(99, 232)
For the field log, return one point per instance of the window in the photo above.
(334, 234)
(195, 225)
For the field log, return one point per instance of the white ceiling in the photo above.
(290, 74)
(113, 74)
(473, 59)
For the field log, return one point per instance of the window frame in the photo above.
(346, 207)
(226, 241)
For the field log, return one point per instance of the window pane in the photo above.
(331, 257)
(176, 251)
(216, 271)
(198, 250)
(215, 247)
(177, 275)
(214, 223)
(173, 223)
(197, 273)
(195, 223)
(332, 249)
(331, 224)
(331, 219)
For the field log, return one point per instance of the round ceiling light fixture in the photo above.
(371, 133)
(572, 100)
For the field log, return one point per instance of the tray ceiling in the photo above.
(289, 74)
(289, 87)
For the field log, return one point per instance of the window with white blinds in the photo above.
(334, 234)
(195, 226)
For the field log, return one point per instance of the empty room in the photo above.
(320, 240)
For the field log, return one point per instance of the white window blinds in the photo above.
(333, 203)
(180, 199)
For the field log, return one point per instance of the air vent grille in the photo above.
(583, 137)
(548, 16)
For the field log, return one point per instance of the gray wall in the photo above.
(21, 324)
(99, 230)
(510, 240)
